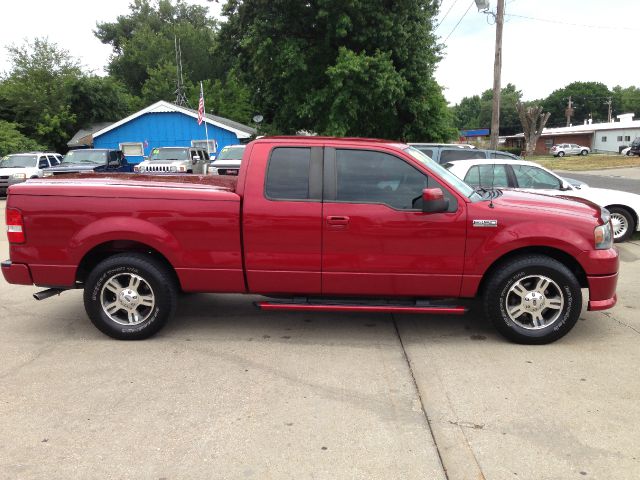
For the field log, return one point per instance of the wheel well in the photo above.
(562, 257)
(633, 213)
(105, 250)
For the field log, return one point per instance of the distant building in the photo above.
(600, 137)
(163, 124)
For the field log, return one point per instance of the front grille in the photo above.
(4, 177)
(227, 171)
(65, 172)
(157, 168)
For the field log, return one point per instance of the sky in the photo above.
(562, 41)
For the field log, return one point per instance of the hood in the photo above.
(11, 170)
(76, 167)
(605, 196)
(570, 206)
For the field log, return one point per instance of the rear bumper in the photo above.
(16, 273)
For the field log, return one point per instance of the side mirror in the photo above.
(433, 201)
(565, 186)
(195, 159)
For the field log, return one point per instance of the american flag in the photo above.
(201, 106)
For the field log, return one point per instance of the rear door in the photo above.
(282, 219)
(376, 240)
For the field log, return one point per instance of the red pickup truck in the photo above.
(315, 224)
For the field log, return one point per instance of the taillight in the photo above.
(15, 226)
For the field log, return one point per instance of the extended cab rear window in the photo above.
(288, 174)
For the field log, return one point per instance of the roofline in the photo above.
(174, 108)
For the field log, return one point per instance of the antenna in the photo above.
(181, 98)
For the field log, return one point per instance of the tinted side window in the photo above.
(42, 162)
(288, 174)
(502, 155)
(533, 177)
(426, 151)
(374, 177)
(487, 176)
(459, 154)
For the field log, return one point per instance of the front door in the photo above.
(376, 239)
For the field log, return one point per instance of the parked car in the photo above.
(442, 145)
(635, 147)
(448, 154)
(175, 160)
(228, 160)
(624, 207)
(316, 224)
(19, 167)
(626, 152)
(563, 149)
(91, 160)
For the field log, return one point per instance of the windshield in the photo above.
(231, 153)
(169, 154)
(85, 156)
(443, 173)
(18, 161)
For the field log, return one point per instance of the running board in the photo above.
(371, 308)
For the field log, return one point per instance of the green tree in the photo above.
(143, 43)
(349, 67)
(626, 100)
(509, 119)
(12, 141)
(467, 113)
(588, 101)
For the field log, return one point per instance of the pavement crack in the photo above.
(415, 385)
(609, 315)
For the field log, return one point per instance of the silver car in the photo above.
(228, 160)
(563, 149)
(175, 160)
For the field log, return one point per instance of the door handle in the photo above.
(337, 220)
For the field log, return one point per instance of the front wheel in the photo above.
(584, 152)
(533, 299)
(130, 296)
(561, 154)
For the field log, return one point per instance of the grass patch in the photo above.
(588, 162)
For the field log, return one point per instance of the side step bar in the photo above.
(418, 307)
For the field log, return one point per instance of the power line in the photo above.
(547, 20)
(461, 18)
(445, 15)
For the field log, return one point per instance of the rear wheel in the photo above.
(622, 222)
(130, 296)
(533, 299)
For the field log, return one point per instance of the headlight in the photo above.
(136, 168)
(47, 174)
(603, 236)
(174, 168)
(20, 176)
(213, 171)
(183, 168)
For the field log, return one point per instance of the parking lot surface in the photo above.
(226, 391)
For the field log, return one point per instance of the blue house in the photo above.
(164, 124)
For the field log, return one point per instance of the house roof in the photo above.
(587, 129)
(77, 139)
(241, 131)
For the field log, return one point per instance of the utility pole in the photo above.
(497, 70)
(609, 102)
(569, 112)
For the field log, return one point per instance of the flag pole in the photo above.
(204, 112)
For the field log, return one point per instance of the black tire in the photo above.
(561, 154)
(630, 223)
(154, 296)
(584, 152)
(563, 289)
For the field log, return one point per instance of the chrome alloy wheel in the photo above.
(619, 224)
(127, 299)
(534, 302)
